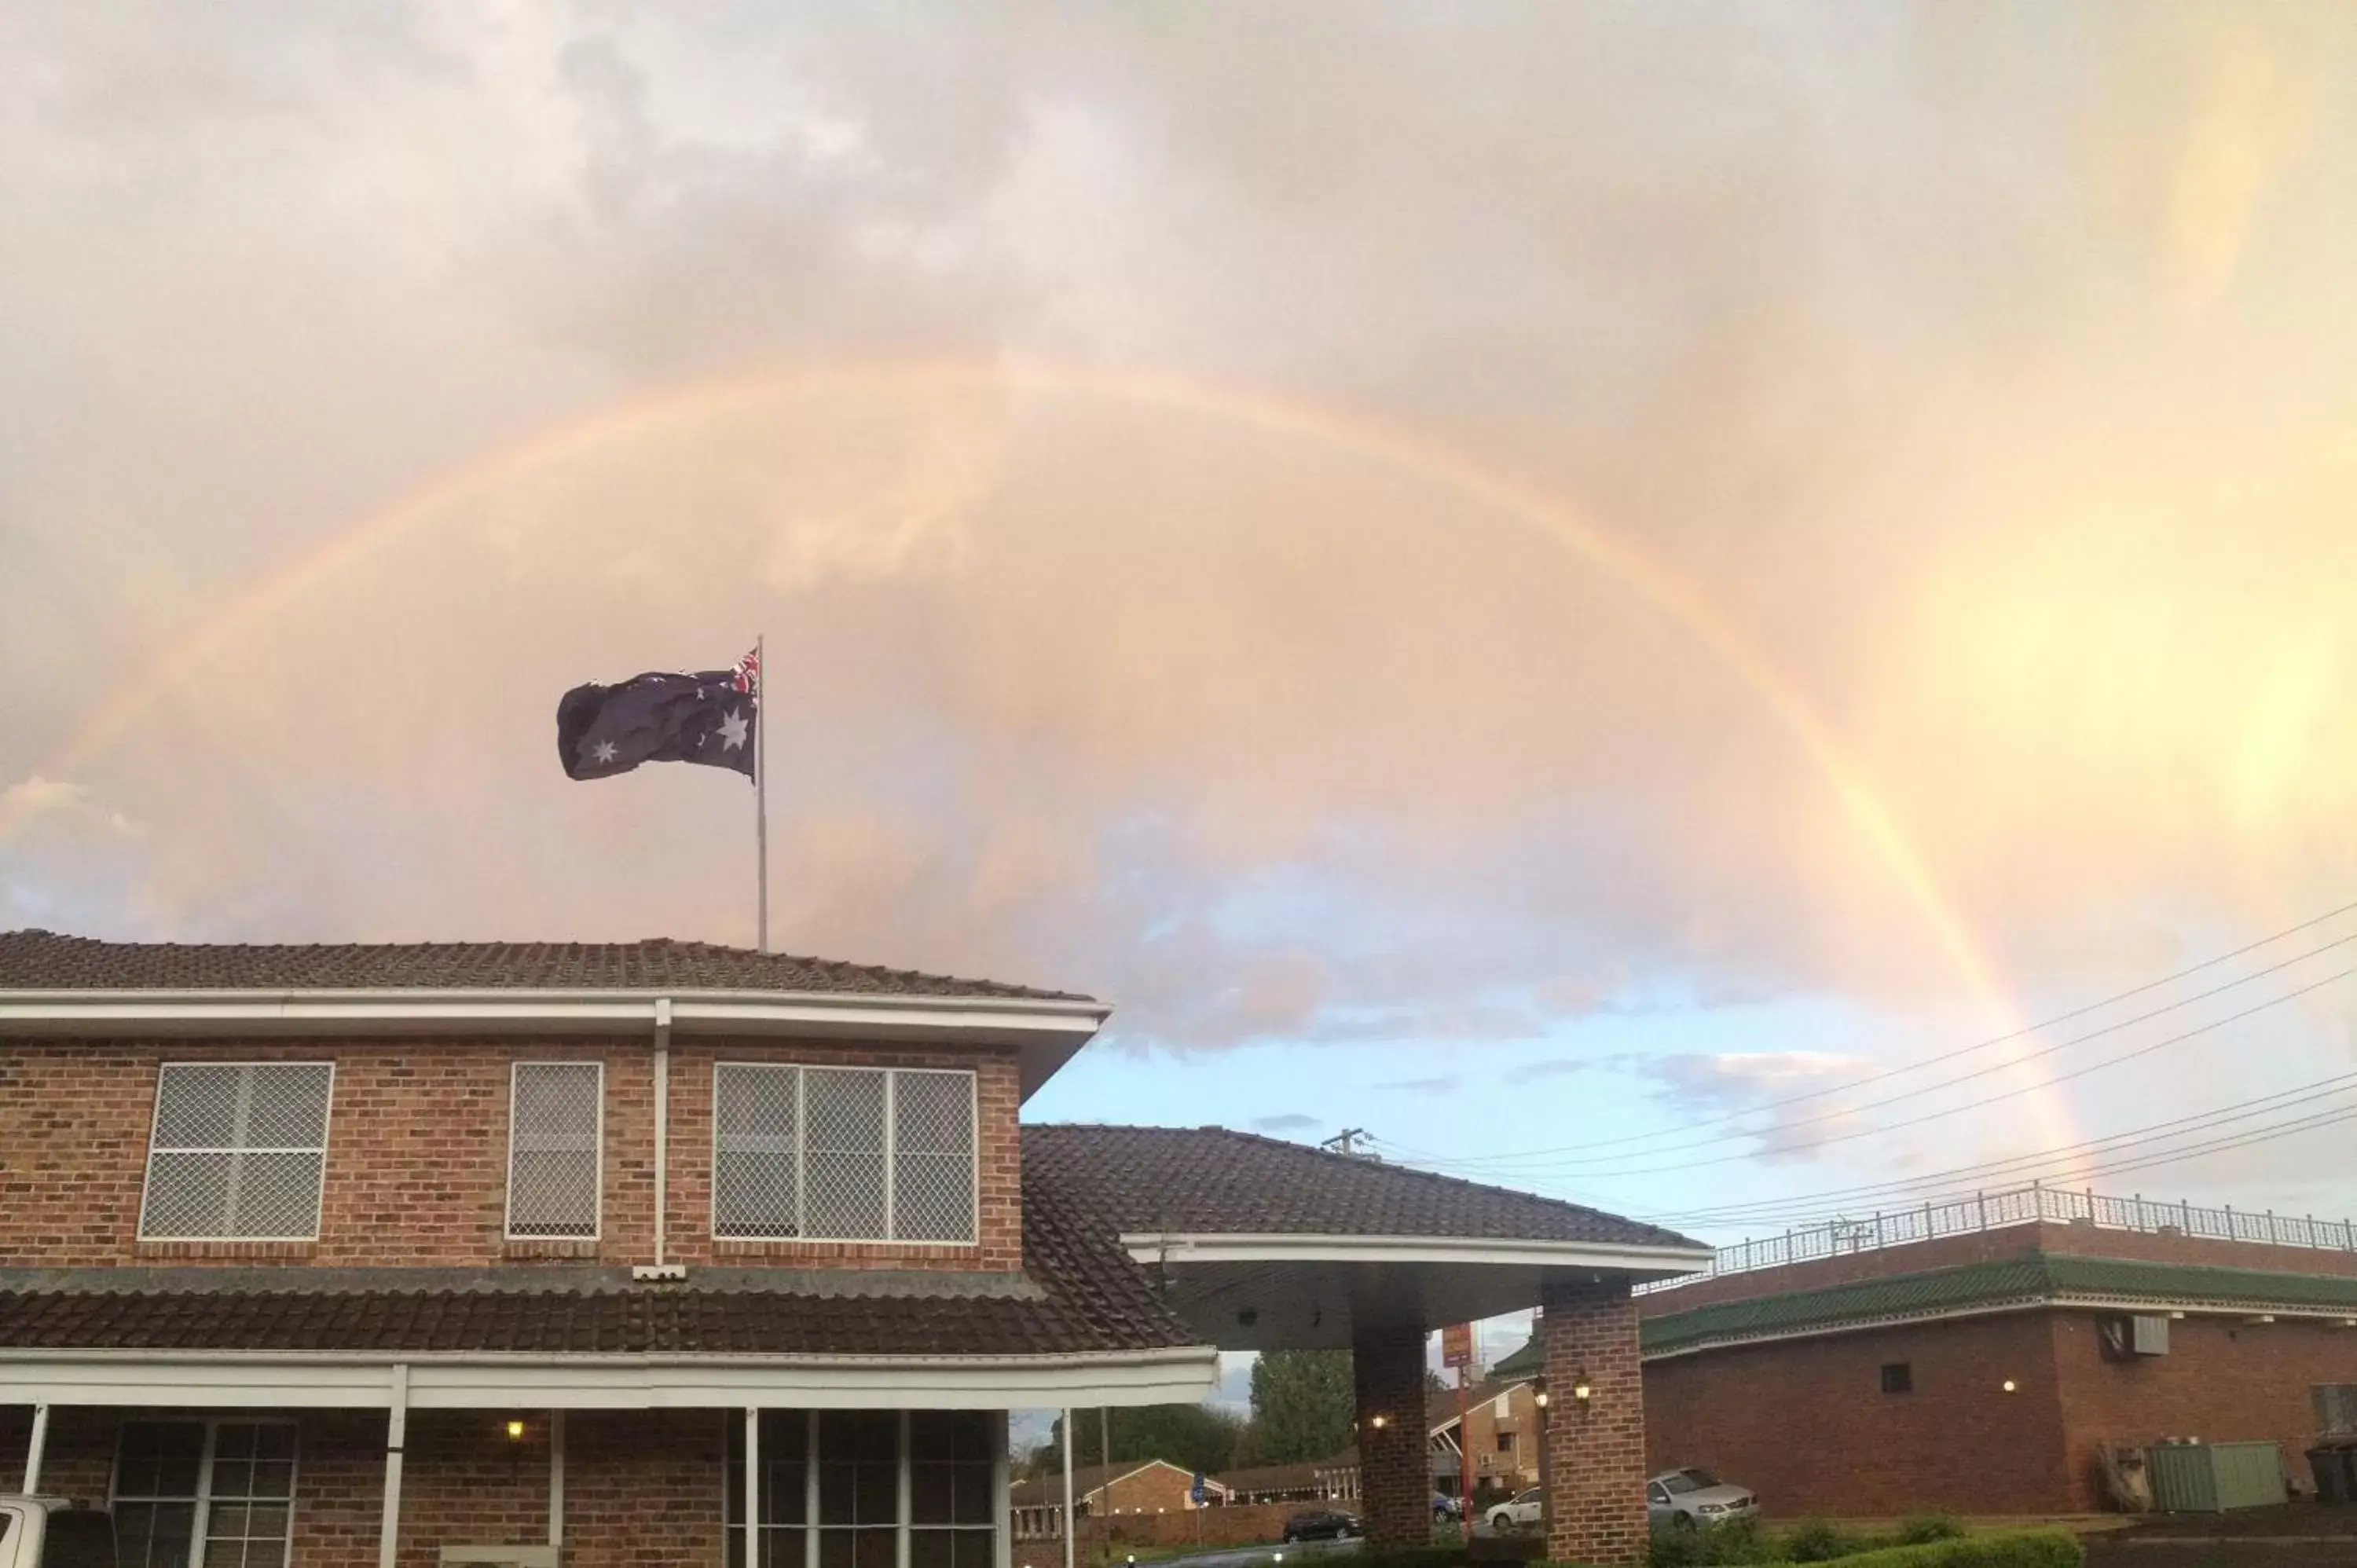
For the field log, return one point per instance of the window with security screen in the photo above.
(554, 1134)
(843, 1154)
(239, 1153)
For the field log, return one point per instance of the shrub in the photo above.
(1818, 1540)
(1735, 1541)
(2008, 1549)
(1923, 1528)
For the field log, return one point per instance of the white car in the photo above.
(50, 1532)
(1688, 1498)
(1522, 1513)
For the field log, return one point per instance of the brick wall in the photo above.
(1238, 1524)
(1805, 1424)
(417, 1153)
(2222, 1380)
(1395, 1478)
(1595, 1452)
(1804, 1421)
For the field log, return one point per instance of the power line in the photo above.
(1581, 1153)
(2015, 1167)
(2249, 1138)
(2060, 1077)
(1847, 1111)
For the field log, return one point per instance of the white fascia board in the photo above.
(2056, 1302)
(1246, 1247)
(454, 1381)
(410, 1009)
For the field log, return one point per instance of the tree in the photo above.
(1191, 1436)
(1304, 1406)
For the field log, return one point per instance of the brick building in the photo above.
(1986, 1372)
(1136, 1486)
(528, 1253)
(1501, 1425)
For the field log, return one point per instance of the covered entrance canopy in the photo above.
(1260, 1244)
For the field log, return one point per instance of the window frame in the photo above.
(598, 1219)
(156, 1125)
(891, 1154)
(1898, 1377)
(200, 1524)
(999, 1530)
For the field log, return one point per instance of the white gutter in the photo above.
(1048, 1030)
(702, 1011)
(1247, 1247)
(487, 1380)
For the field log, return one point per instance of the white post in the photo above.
(662, 1128)
(752, 1486)
(35, 1448)
(761, 790)
(1071, 1514)
(900, 1533)
(1003, 1549)
(556, 1478)
(396, 1433)
(810, 1490)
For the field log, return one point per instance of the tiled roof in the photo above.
(1086, 1479)
(2057, 1278)
(1091, 1298)
(1212, 1180)
(44, 960)
(1287, 1477)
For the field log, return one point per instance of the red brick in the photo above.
(1595, 1451)
(1395, 1478)
(417, 1155)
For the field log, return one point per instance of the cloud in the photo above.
(1538, 1071)
(1433, 533)
(1439, 1084)
(59, 803)
(1289, 1122)
(1707, 1087)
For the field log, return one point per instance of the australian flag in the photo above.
(711, 717)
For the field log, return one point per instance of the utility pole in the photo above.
(1346, 1142)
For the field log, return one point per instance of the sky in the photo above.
(1585, 589)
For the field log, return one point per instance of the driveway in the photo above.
(2297, 1535)
(1256, 1556)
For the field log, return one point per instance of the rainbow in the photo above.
(1617, 560)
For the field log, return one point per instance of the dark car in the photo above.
(1323, 1524)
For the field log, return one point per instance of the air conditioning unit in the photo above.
(2148, 1334)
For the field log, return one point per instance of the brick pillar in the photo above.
(1396, 1492)
(1594, 1453)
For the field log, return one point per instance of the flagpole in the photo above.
(761, 783)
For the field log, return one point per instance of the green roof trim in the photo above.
(1526, 1362)
(2032, 1279)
